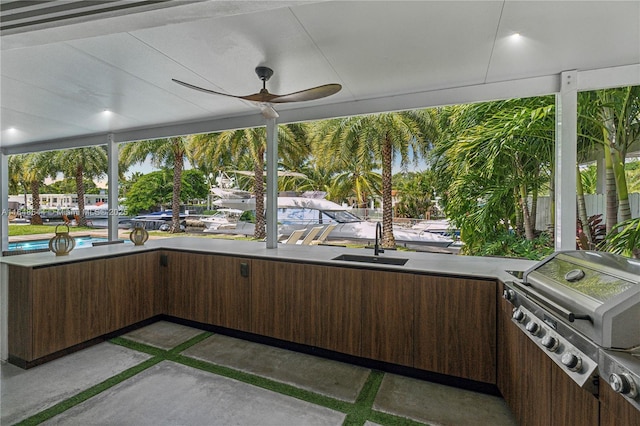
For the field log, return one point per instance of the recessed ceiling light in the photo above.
(515, 36)
(106, 112)
(12, 129)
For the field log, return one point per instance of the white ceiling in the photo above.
(60, 74)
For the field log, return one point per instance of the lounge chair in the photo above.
(295, 236)
(323, 235)
(310, 236)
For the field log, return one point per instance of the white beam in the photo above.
(112, 198)
(565, 162)
(272, 183)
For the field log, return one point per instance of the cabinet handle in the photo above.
(244, 269)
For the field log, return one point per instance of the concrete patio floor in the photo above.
(170, 374)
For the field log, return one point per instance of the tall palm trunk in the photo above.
(80, 190)
(177, 184)
(258, 172)
(526, 215)
(611, 196)
(624, 209)
(582, 210)
(388, 240)
(36, 219)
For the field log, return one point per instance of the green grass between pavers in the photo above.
(16, 230)
(356, 413)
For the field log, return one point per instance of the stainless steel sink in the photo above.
(371, 259)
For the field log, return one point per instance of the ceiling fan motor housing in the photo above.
(264, 73)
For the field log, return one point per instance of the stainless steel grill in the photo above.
(575, 304)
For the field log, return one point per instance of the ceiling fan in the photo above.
(263, 96)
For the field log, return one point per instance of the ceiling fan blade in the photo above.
(308, 94)
(201, 89)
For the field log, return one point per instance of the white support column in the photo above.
(565, 161)
(112, 198)
(4, 245)
(4, 202)
(272, 183)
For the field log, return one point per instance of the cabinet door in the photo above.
(133, 289)
(455, 329)
(280, 299)
(189, 280)
(524, 372)
(336, 309)
(571, 405)
(614, 409)
(387, 316)
(68, 305)
(230, 293)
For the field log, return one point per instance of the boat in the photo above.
(222, 219)
(295, 213)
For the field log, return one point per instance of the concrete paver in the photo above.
(27, 392)
(439, 404)
(327, 377)
(169, 394)
(163, 334)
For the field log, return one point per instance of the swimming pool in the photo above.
(81, 242)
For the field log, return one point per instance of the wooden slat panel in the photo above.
(279, 291)
(524, 373)
(230, 294)
(571, 405)
(68, 306)
(614, 409)
(131, 284)
(336, 309)
(387, 318)
(20, 313)
(456, 327)
(189, 276)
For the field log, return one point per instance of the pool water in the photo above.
(81, 242)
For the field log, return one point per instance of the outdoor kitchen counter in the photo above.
(418, 262)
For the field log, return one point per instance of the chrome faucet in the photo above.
(376, 249)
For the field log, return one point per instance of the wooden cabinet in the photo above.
(455, 327)
(570, 404)
(388, 316)
(309, 304)
(614, 409)
(134, 289)
(537, 390)
(53, 308)
(524, 372)
(208, 289)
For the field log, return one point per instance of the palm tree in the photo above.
(491, 157)
(29, 171)
(80, 163)
(381, 136)
(621, 128)
(169, 153)
(235, 147)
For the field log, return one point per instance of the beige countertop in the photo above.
(418, 262)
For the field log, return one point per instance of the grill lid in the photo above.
(592, 277)
(597, 293)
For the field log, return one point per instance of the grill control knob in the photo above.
(624, 384)
(533, 328)
(519, 316)
(572, 361)
(550, 343)
(508, 294)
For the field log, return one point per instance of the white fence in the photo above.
(595, 203)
